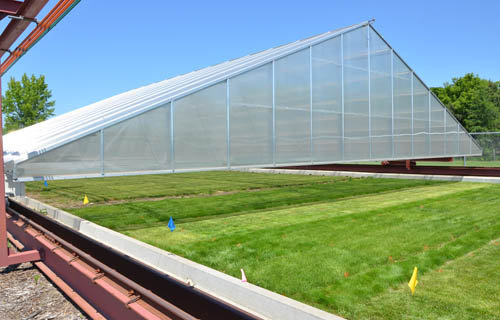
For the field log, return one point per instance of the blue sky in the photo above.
(103, 48)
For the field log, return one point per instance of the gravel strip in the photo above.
(26, 294)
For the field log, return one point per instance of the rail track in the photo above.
(401, 168)
(105, 283)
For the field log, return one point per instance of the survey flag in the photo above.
(85, 200)
(413, 281)
(171, 224)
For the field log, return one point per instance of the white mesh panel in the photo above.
(251, 117)
(420, 119)
(292, 82)
(437, 128)
(402, 109)
(451, 135)
(200, 130)
(356, 145)
(141, 143)
(381, 97)
(79, 157)
(464, 146)
(327, 100)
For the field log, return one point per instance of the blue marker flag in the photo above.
(171, 224)
(45, 183)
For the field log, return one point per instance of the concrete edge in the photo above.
(244, 295)
(375, 175)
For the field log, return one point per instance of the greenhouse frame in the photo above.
(341, 96)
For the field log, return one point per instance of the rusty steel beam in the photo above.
(111, 299)
(402, 168)
(48, 22)
(195, 302)
(10, 7)
(74, 296)
(29, 9)
(190, 299)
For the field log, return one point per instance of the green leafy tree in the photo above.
(474, 101)
(26, 102)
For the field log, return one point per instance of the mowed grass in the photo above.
(347, 246)
(141, 214)
(70, 193)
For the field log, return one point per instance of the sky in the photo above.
(103, 48)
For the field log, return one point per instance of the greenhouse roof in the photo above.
(31, 141)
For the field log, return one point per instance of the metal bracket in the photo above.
(132, 300)
(23, 18)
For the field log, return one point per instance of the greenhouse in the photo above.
(341, 96)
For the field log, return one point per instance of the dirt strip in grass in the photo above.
(135, 215)
(70, 193)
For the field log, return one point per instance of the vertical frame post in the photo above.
(172, 140)
(274, 115)
(4, 251)
(311, 146)
(369, 93)
(392, 103)
(228, 127)
(342, 85)
(412, 126)
(445, 132)
(429, 150)
(470, 145)
(102, 151)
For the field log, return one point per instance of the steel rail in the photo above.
(108, 271)
(170, 309)
(132, 273)
(61, 284)
(111, 299)
(401, 168)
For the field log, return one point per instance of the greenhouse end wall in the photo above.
(348, 98)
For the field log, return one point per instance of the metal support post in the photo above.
(227, 127)
(369, 94)
(343, 109)
(172, 140)
(429, 138)
(311, 146)
(412, 119)
(274, 117)
(392, 104)
(102, 151)
(445, 130)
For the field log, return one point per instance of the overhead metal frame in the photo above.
(27, 12)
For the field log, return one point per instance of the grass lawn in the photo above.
(69, 193)
(347, 246)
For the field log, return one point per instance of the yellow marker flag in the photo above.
(413, 281)
(85, 200)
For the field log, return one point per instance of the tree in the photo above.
(474, 101)
(26, 102)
